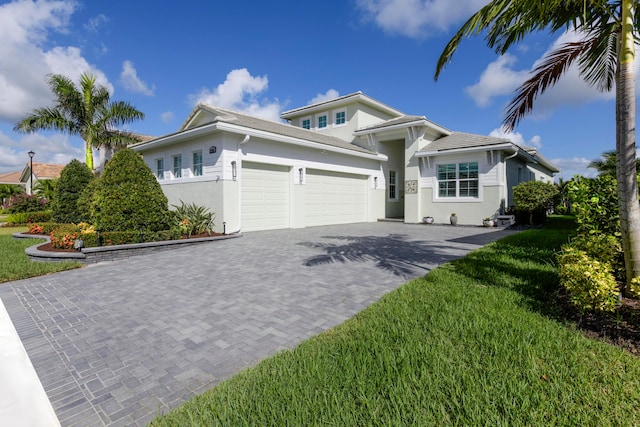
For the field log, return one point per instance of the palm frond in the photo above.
(544, 76)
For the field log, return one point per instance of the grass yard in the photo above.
(472, 343)
(14, 263)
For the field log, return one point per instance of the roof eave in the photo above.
(423, 122)
(336, 102)
(466, 150)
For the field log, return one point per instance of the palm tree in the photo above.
(606, 164)
(605, 56)
(85, 111)
(46, 188)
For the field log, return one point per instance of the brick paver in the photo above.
(116, 343)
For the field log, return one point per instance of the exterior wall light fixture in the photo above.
(234, 170)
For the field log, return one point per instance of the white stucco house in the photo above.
(346, 160)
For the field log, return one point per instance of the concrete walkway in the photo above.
(117, 343)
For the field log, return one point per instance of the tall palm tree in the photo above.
(604, 55)
(85, 111)
(607, 163)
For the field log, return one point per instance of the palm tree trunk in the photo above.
(88, 155)
(626, 145)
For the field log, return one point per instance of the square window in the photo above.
(177, 166)
(340, 118)
(197, 163)
(306, 123)
(322, 122)
(458, 180)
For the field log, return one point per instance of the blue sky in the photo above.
(267, 57)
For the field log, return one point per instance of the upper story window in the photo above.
(306, 123)
(458, 180)
(160, 168)
(341, 118)
(322, 121)
(393, 185)
(197, 163)
(177, 166)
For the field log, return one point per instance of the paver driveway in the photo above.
(115, 343)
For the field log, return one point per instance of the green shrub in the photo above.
(65, 236)
(86, 199)
(109, 238)
(535, 198)
(194, 219)
(19, 203)
(29, 217)
(604, 248)
(73, 179)
(590, 282)
(595, 204)
(129, 197)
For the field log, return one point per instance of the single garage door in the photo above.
(335, 198)
(265, 196)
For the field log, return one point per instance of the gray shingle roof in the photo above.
(464, 140)
(232, 117)
(394, 122)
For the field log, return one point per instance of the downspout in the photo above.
(238, 167)
(506, 185)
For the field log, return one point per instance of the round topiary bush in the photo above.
(128, 197)
(73, 180)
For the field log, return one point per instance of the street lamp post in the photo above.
(31, 154)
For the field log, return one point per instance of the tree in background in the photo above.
(534, 198)
(604, 55)
(84, 111)
(8, 190)
(607, 163)
(45, 188)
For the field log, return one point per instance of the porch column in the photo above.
(411, 185)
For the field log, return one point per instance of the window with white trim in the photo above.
(393, 185)
(160, 168)
(177, 166)
(306, 123)
(197, 163)
(341, 118)
(458, 180)
(322, 121)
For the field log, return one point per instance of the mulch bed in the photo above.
(621, 328)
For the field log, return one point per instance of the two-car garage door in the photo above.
(329, 197)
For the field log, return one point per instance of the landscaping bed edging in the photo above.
(112, 252)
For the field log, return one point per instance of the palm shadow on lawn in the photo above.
(394, 253)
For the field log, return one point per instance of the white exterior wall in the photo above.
(491, 190)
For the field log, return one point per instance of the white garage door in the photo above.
(265, 196)
(335, 198)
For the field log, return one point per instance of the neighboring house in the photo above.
(41, 172)
(350, 159)
(12, 178)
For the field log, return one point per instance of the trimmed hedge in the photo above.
(29, 217)
(73, 179)
(109, 238)
(129, 197)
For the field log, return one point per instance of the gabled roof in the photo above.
(242, 121)
(10, 178)
(42, 171)
(402, 122)
(340, 101)
(461, 141)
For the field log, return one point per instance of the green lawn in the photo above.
(471, 343)
(14, 263)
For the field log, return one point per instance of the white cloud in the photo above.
(27, 57)
(497, 79)
(241, 92)
(330, 94)
(418, 18)
(574, 166)
(49, 149)
(96, 23)
(500, 78)
(167, 116)
(517, 138)
(131, 82)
